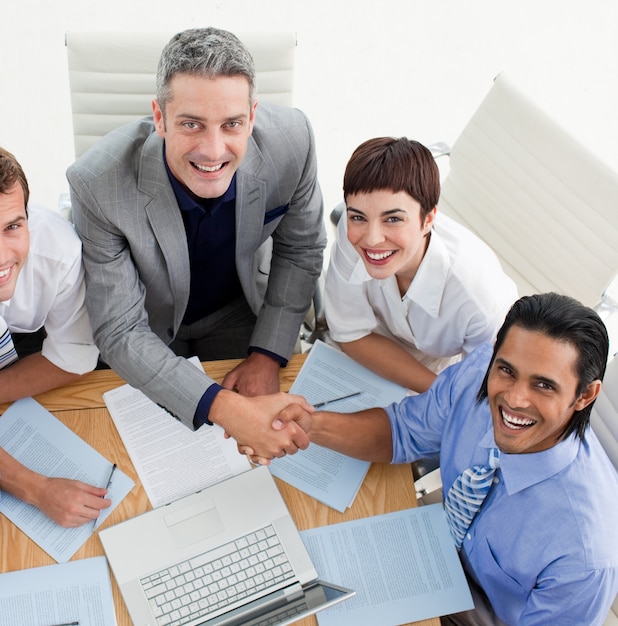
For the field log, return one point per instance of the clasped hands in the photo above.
(295, 417)
(265, 423)
(264, 427)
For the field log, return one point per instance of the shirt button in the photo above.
(496, 480)
(468, 536)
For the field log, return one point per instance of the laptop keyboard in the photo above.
(245, 568)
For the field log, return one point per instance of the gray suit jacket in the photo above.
(136, 257)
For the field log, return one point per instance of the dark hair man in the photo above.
(542, 548)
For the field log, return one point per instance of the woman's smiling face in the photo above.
(387, 231)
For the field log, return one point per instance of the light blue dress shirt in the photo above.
(544, 546)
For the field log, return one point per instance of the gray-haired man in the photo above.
(202, 234)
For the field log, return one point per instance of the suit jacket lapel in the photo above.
(165, 220)
(250, 203)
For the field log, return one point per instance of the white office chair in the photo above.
(604, 422)
(542, 201)
(604, 416)
(112, 82)
(112, 76)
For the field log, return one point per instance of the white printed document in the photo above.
(171, 460)
(41, 442)
(75, 593)
(403, 566)
(328, 376)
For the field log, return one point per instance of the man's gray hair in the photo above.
(209, 52)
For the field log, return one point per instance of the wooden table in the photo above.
(80, 406)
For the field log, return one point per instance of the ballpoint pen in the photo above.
(350, 395)
(111, 474)
(98, 520)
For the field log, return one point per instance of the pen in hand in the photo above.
(97, 520)
(111, 474)
(350, 395)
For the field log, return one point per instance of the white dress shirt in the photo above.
(457, 300)
(50, 292)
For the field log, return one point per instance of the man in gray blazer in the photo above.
(202, 234)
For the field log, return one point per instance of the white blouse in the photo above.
(457, 300)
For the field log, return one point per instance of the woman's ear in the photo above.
(430, 218)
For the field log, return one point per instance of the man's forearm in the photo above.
(17, 479)
(32, 375)
(364, 435)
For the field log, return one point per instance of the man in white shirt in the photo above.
(408, 290)
(41, 287)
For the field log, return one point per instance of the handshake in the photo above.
(271, 426)
(264, 427)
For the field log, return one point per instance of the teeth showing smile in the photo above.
(379, 256)
(5, 272)
(515, 423)
(204, 168)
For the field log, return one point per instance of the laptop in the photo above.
(229, 555)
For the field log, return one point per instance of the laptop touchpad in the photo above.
(194, 523)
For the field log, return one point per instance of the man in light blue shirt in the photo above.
(543, 548)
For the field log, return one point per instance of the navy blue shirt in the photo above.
(210, 225)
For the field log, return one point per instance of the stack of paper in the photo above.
(403, 566)
(330, 477)
(75, 593)
(171, 460)
(41, 442)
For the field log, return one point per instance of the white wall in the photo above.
(364, 68)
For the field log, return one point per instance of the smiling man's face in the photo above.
(14, 239)
(206, 127)
(531, 391)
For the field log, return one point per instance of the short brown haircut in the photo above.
(11, 173)
(388, 163)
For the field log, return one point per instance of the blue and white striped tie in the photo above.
(465, 497)
(7, 349)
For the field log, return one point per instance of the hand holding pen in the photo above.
(69, 502)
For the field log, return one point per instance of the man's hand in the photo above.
(249, 421)
(257, 375)
(292, 413)
(365, 435)
(70, 503)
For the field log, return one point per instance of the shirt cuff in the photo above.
(275, 357)
(203, 406)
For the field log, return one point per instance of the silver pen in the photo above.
(109, 482)
(350, 395)
(111, 474)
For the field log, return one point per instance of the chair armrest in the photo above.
(439, 149)
(607, 308)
